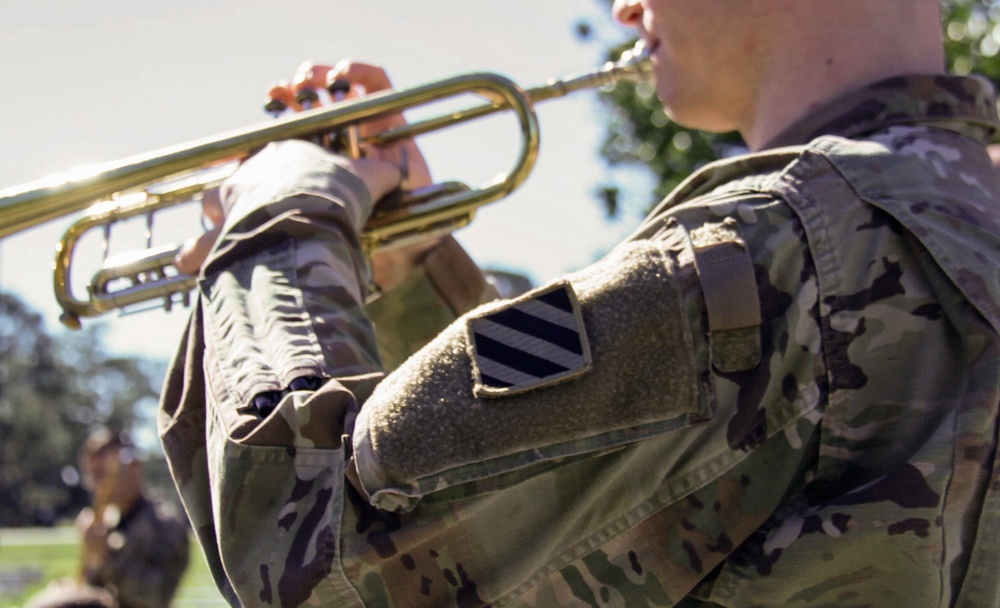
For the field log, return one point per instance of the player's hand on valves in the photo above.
(354, 79)
(382, 168)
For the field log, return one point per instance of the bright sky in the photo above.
(87, 82)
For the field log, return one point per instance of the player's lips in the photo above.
(652, 46)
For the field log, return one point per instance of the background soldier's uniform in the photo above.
(147, 556)
(782, 390)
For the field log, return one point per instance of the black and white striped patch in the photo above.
(536, 340)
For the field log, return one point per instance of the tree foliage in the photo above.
(639, 134)
(53, 392)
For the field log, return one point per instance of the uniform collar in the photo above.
(966, 104)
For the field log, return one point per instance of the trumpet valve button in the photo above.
(275, 107)
(339, 88)
(307, 98)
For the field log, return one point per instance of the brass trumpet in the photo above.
(144, 184)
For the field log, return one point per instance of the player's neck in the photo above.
(821, 69)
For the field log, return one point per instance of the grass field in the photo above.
(31, 557)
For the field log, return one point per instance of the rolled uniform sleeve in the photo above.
(277, 356)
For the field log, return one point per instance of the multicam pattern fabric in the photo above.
(855, 465)
(147, 557)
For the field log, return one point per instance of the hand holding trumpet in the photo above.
(383, 169)
(147, 183)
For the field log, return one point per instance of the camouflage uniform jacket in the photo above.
(148, 553)
(782, 390)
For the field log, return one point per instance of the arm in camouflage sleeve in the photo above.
(279, 310)
(630, 479)
(488, 486)
(280, 307)
(447, 284)
(635, 461)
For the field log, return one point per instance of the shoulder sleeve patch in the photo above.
(535, 340)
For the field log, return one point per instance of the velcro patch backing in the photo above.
(536, 340)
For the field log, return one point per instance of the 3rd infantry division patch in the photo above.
(533, 341)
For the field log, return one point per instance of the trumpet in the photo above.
(144, 184)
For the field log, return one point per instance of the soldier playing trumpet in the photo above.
(781, 390)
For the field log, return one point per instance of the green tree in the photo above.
(639, 134)
(53, 392)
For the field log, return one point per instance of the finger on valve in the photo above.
(363, 79)
(280, 99)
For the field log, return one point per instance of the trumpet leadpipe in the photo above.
(633, 65)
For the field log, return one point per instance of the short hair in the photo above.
(104, 438)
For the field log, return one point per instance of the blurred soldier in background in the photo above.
(134, 546)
